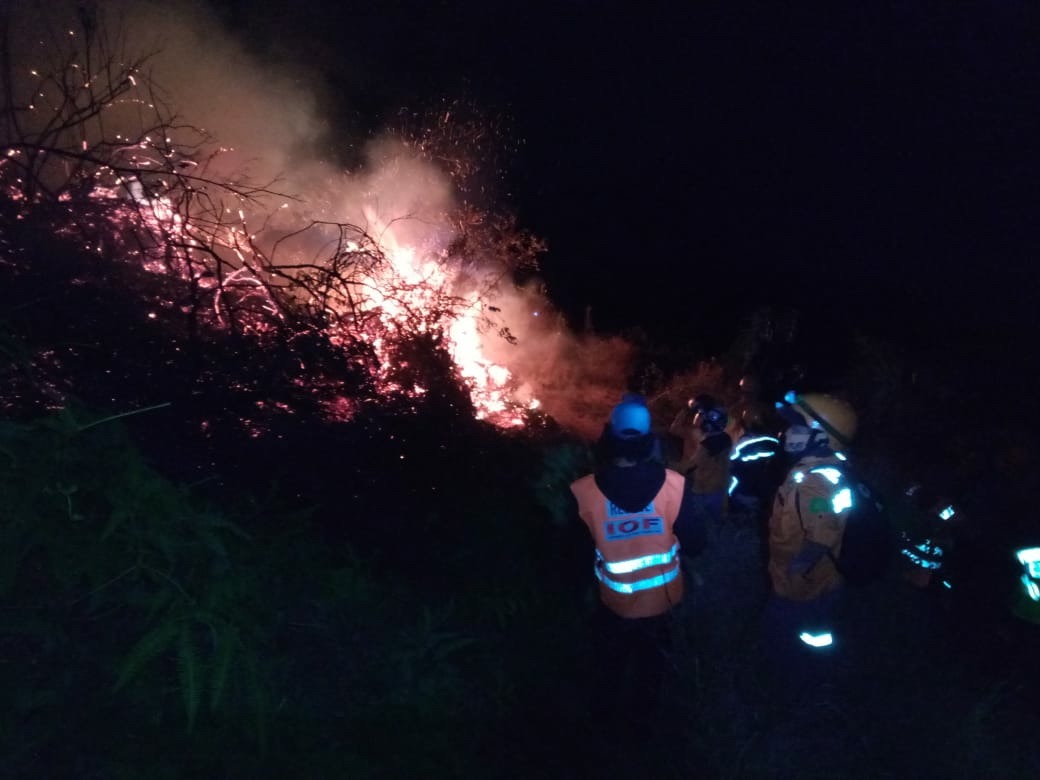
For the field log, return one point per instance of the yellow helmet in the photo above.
(835, 416)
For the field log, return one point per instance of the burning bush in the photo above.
(381, 264)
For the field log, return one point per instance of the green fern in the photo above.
(12, 551)
(258, 696)
(147, 649)
(161, 580)
(226, 640)
(444, 645)
(188, 673)
(212, 541)
(120, 514)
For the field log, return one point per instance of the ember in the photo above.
(371, 256)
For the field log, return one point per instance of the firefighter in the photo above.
(706, 454)
(927, 538)
(639, 517)
(806, 529)
(685, 430)
(753, 466)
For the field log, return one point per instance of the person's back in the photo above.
(804, 513)
(631, 512)
(756, 468)
(806, 529)
(639, 516)
(634, 509)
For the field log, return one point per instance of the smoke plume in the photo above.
(265, 122)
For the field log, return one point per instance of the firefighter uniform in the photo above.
(710, 464)
(810, 508)
(806, 531)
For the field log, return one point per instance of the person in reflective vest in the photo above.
(808, 522)
(639, 516)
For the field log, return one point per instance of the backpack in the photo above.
(868, 543)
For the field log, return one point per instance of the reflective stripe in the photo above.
(756, 456)
(817, 640)
(1032, 589)
(638, 585)
(842, 500)
(1030, 558)
(635, 564)
(733, 482)
(832, 474)
(1028, 555)
(928, 546)
(923, 562)
(742, 444)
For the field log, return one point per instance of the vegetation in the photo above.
(204, 573)
(145, 628)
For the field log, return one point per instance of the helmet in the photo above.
(712, 420)
(630, 419)
(826, 413)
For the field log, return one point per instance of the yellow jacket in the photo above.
(711, 472)
(807, 510)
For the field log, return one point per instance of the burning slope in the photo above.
(370, 257)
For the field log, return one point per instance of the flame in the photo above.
(421, 279)
(415, 288)
(372, 254)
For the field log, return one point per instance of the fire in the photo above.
(408, 287)
(414, 290)
(423, 280)
(374, 256)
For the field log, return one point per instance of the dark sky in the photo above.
(873, 162)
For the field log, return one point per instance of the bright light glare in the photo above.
(842, 501)
(817, 640)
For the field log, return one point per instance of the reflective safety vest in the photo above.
(637, 553)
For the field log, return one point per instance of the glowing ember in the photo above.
(372, 271)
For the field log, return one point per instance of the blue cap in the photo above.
(630, 420)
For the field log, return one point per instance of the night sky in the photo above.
(874, 165)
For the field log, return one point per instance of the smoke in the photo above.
(266, 121)
(577, 377)
(266, 117)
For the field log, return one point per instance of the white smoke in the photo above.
(267, 122)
